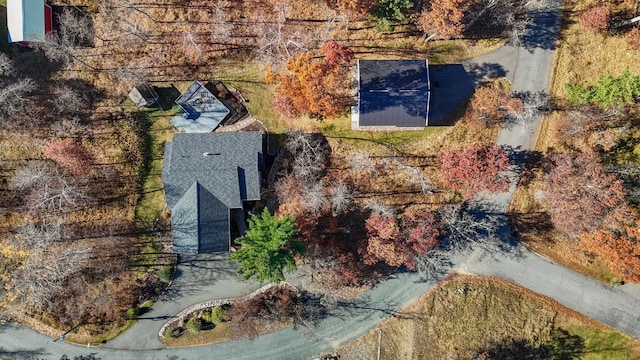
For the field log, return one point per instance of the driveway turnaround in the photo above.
(528, 67)
(198, 278)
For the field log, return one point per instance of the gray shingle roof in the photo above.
(393, 93)
(205, 175)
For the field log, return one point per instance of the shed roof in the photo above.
(199, 102)
(26, 20)
(143, 95)
(393, 93)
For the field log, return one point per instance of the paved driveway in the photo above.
(198, 278)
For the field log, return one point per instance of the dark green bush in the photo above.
(166, 274)
(133, 313)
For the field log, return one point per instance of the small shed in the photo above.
(28, 20)
(144, 95)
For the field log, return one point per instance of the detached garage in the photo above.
(392, 95)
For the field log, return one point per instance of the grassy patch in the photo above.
(468, 315)
(249, 78)
(340, 129)
(603, 344)
(152, 200)
(582, 56)
(219, 333)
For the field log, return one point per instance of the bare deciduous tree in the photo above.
(219, 21)
(14, 96)
(361, 162)
(29, 175)
(340, 198)
(310, 153)
(414, 176)
(378, 207)
(67, 100)
(48, 264)
(75, 28)
(191, 45)
(315, 198)
(6, 65)
(464, 229)
(66, 127)
(58, 192)
(276, 41)
(49, 188)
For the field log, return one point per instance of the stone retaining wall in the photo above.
(182, 315)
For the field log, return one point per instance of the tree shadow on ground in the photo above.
(542, 31)
(480, 73)
(167, 96)
(195, 273)
(22, 354)
(561, 346)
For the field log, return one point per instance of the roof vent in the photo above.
(210, 154)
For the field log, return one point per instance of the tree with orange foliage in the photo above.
(475, 169)
(621, 251)
(356, 9)
(399, 244)
(443, 18)
(489, 105)
(313, 86)
(70, 154)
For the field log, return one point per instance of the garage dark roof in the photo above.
(393, 93)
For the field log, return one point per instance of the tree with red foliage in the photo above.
(70, 154)
(421, 234)
(336, 53)
(384, 243)
(580, 196)
(633, 39)
(284, 106)
(397, 245)
(443, 18)
(621, 251)
(475, 169)
(596, 19)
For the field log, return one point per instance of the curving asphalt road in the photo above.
(528, 67)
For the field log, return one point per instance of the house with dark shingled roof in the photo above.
(392, 95)
(208, 179)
